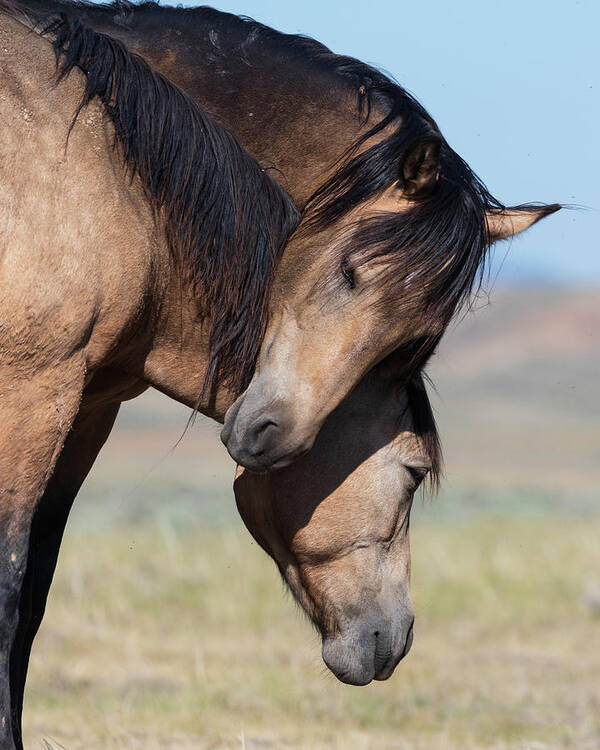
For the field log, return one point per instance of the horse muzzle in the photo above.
(368, 650)
(259, 432)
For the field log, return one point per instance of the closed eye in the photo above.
(418, 473)
(348, 273)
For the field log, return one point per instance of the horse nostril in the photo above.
(257, 438)
(376, 634)
(261, 435)
(265, 426)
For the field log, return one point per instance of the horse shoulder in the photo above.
(78, 244)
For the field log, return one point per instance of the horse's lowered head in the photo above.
(386, 253)
(336, 523)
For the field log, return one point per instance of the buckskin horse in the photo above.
(113, 251)
(336, 522)
(395, 226)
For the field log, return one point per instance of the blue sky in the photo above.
(515, 87)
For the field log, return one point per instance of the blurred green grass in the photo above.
(167, 627)
(158, 636)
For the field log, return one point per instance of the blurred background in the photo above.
(167, 627)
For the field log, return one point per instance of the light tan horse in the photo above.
(144, 264)
(395, 227)
(336, 522)
(104, 290)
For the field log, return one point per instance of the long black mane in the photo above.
(226, 220)
(425, 427)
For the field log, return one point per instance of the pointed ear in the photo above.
(506, 222)
(421, 167)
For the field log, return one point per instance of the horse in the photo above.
(336, 522)
(125, 210)
(395, 227)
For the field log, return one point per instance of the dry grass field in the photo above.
(167, 627)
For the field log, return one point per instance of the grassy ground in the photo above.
(159, 637)
(168, 628)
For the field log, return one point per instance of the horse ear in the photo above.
(421, 166)
(506, 222)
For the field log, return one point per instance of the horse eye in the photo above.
(418, 473)
(348, 273)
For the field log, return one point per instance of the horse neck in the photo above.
(178, 354)
(315, 119)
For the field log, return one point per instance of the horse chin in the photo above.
(347, 663)
(370, 649)
(263, 463)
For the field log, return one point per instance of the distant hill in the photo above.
(519, 388)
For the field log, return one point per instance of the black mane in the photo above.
(425, 427)
(226, 220)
